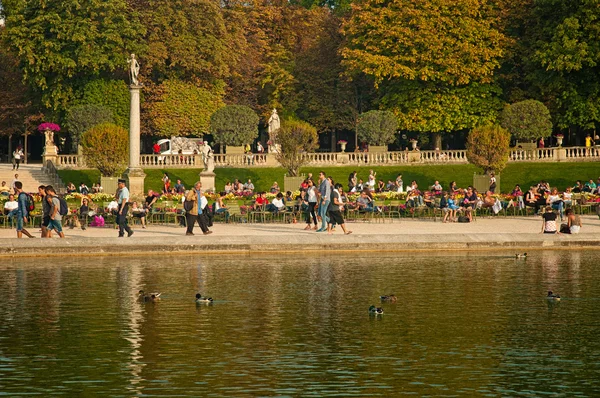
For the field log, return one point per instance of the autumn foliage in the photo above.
(106, 148)
(488, 148)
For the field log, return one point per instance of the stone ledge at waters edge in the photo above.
(313, 243)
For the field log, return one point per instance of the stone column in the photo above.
(134, 174)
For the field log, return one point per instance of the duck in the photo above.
(390, 297)
(145, 297)
(375, 310)
(200, 299)
(523, 256)
(552, 296)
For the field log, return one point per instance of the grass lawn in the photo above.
(560, 175)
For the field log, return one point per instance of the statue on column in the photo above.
(49, 137)
(274, 125)
(208, 158)
(134, 70)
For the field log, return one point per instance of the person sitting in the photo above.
(543, 188)
(4, 189)
(113, 207)
(573, 222)
(568, 197)
(578, 187)
(228, 187)
(261, 201)
(71, 188)
(249, 186)
(428, 199)
(532, 199)
(288, 197)
(555, 201)
(371, 182)
(275, 188)
(380, 186)
(364, 202)
(238, 187)
(391, 186)
(277, 204)
(83, 189)
(453, 188)
(359, 187)
(150, 200)
(549, 221)
(452, 207)
(95, 188)
(490, 202)
(436, 188)
(516, 192)
(589, 186)
(220, 207)
(11, 207)
(179, 188)
(84, 213)
(138, 212)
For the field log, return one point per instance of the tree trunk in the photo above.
(437, 141)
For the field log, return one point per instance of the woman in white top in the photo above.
(311, 202)
(371, 182)
(556, 202)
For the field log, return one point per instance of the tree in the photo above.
(294, 138)
(429, 52)
(106, 148)
(177, 108)
(234, 125)
(81, 118)
(377, 127)
(527, 120)
(61, 45)
(111, 94)
(488, 147)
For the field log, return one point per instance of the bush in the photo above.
(527, 120)
(106, 148)
(488, 147)
(234, 125)
(294, 138)
(377, 127)
(81, 118)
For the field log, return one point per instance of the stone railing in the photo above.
(49, 168)
(560, 154)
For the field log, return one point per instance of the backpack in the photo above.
(30, 202)
(64, 207)
(188, 205)
(463, 219)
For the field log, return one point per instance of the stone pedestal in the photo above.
(271, 160)
(135, 181)
(414, 157)
(560, 154)
(207, 178)
(134, 174)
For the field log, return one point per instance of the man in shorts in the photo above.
(22, 210)
(55, 222)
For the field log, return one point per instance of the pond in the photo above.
(464, 325)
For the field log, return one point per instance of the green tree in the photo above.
(295, 137)
(234, 125)
(527, 120)
(81, 118)
(178, 108)
(432, 53)
(62, 44)
(377, 127)
(106, 148)
(488, 148)
(111, 94)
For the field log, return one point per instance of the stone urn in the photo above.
(343, 146)
(414, 144)
(559, 140)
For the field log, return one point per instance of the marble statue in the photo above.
(49, 138)
(134, 70)
(207, 158)
(274, 125)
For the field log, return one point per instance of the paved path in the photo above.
(408, 234)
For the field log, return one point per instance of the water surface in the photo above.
(464, 325)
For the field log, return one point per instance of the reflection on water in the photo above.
(463, 325)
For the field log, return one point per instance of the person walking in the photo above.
(335, 211)
(18, 155)
(55, 222)
(123, 202)
(22, 210)
(196, 214)
(324, 200)
(45, 211)
(311, 201)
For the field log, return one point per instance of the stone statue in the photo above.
(134, 70)
(207, 158)
(49, 138)
(274, 125)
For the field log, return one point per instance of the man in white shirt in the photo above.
(277, 204)
(10, 208)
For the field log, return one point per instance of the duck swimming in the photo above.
(391, 298)
(145, 297)
(200, 299)
(552, 296)
(524, 255)
(375, 310)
